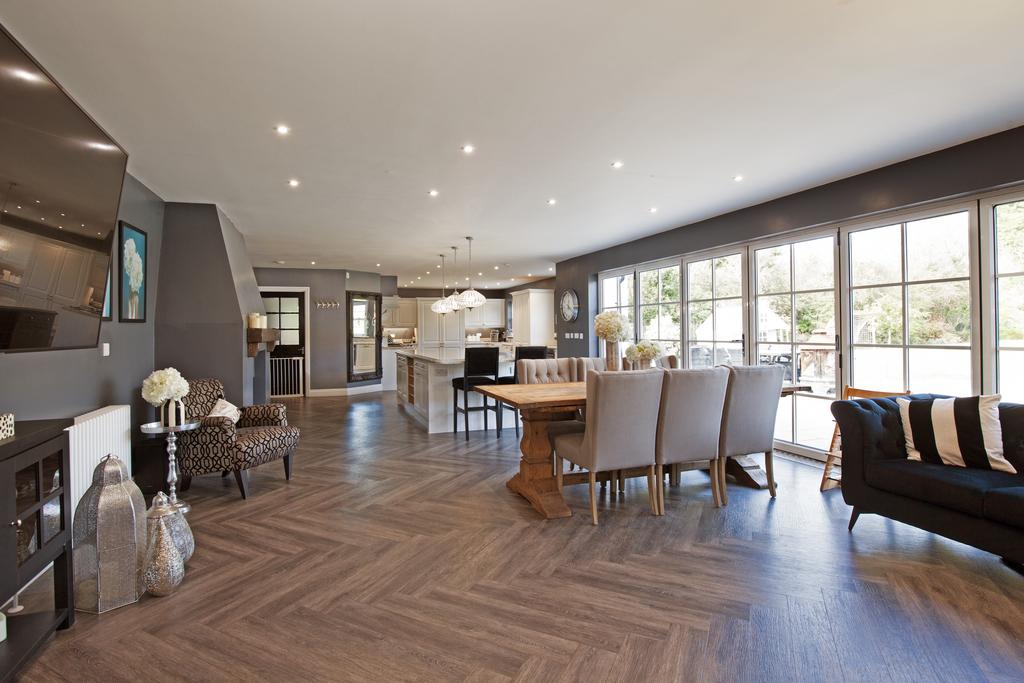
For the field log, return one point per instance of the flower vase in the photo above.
(611, 355)
(172, 413)
(133, 305)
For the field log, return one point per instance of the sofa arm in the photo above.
(209, 448)
(870, 430)
(268, 415)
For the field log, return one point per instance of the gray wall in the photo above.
(207, 288)
(56, 384)
(328, 328)
(982, 164)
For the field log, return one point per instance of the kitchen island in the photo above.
(424, 387)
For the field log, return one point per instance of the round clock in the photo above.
(569, 305)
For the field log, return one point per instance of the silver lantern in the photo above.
(109, 540)
(165, 568)
(181, 533)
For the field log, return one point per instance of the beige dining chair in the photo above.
(670, 362)
(546, 370)
(585, 365)
(622, 420)
(748, 421)
(690, 423)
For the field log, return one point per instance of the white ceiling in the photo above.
(380, 97)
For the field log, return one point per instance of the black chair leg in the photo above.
(455, 411)
(465, 410)
(499, 411)
(484, 398)
(853, 518)
(288, 467)
(242, 478)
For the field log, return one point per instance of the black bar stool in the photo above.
(522, 352)
(480, 366)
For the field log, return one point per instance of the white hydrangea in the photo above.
(132, 266)
(164, 385)
(643, 351)
(610, 326)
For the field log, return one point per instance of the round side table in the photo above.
(157, 428)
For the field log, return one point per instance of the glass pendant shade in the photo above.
(454, 301)
(442, 306)
(471, 298)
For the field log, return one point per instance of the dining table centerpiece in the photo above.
(165, 389)
(642, 353)
(611, 327)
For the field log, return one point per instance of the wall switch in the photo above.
(106, 349)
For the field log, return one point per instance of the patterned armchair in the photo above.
(262, 434)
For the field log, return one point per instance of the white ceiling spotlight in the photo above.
(378, 265)
(617, 164)
(102, 146)
(737, 178)
(312, 263)
(433, 193)
(653, 209)
(294, 182)
(282, 129)
(468, 148)
(552, 201)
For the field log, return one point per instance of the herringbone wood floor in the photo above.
(395, 556)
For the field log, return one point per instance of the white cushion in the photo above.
(962, 432)
(226, 409)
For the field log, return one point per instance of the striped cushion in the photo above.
(962, 432)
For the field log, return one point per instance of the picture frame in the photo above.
(132, 273)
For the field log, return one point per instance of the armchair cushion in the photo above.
(268, 415)
(209, 448)
(257, 445)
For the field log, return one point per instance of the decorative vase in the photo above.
(611, 355)
(172, 413)
(181, 533)
(164, 570)
(109, 540)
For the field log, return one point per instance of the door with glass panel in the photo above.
(286, 311)
(660, 295)
(715, 324)
(1004, 230)
(618, 293)
(911, 304)
(795, 327)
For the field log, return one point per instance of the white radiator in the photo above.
(94, 435)
(286, 376)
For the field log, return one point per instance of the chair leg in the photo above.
(652, 492)
(455, 411)
(484, 399)
(185, 483)
(853, 518)
(465, 411)
(769, 470)
(499, 415)
(242, 478)
(659, 478)
(716, 484)
(723, 487)
(559, 466)
(288, 467)
(225, 473)
(827, 482)
(593, 498)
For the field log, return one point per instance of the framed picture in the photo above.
(132, 275)
(108, 310)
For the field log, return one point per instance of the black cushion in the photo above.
(459, 382)
(957, 488)
(1006, 506)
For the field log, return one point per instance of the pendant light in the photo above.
(471, 298)
(453, 298)
(442, 305)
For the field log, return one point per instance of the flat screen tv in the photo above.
(60, 186)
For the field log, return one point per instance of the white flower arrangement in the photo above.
(132, 265)
(610, 326)
(643, 351)
(164, 385)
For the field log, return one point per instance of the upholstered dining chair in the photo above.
(748, 421)
(546, 370)
(261, 435)
(521, 353)
(690, 423)
(585, 365)
(622, 420)
(670, 362)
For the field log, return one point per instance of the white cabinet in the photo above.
(533, 317)
(398, 312)
(491, 313)
(421, 382)
(57, 276)
(443, 336)
(389, 370)
(402, 376)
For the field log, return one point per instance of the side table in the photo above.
(172, 462)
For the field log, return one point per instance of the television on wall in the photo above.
(60, 186)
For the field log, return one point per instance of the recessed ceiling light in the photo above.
(24, 75)
(62, 215)
(43, 218)
(511, 279)
(529, 275)
(552, 201)
(468, 148)
(653, 209)
(282, 129)
(480, 274)
(293, 182)
(495, 267)
(99, 233)
(38, 202)
(467, 279)
(738, 178)
(617, 165)
(418, 277)
(312, 263)
(280, 263)
(433, 193)
(83, 224)
(102, 146)
(551, 270)
(61, 227)
(378, 265)
(19, 206)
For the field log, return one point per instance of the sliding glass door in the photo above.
(715, 323)
(1003, 233)
(660, 307)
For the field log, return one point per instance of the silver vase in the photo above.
(165, 569)
(181, 533)
(109, 535)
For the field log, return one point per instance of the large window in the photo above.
(1008, 225)
(660, 295)
(618, 293)
(714, 303)
(911, 305)
(795, 324)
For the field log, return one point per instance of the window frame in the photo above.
(744, 297)
(989, 289)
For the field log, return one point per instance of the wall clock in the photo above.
(569, 305)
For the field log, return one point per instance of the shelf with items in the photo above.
(256, 338)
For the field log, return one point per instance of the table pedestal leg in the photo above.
(535, 480)
(172, 474)
(747, 472)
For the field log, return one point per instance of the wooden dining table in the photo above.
(540, 405)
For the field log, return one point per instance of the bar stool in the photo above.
(480, 366)
(522, 352)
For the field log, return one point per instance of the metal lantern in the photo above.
(165, 569)
(109, 540)
(180, 531)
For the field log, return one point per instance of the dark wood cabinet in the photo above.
(35, 530)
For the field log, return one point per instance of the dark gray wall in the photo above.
(207, 290)
(56, 384)
(982, 164)
(328, 327)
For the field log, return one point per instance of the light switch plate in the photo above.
(106, 349)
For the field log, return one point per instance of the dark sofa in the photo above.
(982, 508)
